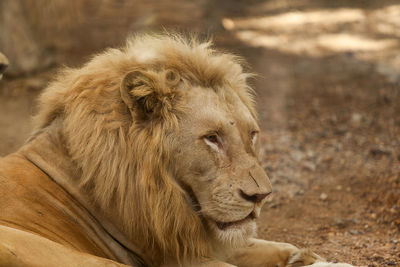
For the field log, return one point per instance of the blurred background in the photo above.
(328, 96)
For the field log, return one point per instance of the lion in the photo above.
(148, 155)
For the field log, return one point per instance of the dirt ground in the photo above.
(328, 91)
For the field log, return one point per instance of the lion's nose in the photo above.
(255, 198)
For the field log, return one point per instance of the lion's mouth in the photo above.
(226, 225)
(221, 225)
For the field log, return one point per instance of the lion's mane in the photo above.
(123, 163)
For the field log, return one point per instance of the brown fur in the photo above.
(124, 164)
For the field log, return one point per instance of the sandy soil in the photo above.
(330, 112)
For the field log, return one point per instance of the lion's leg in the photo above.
(271, 254)
(20, 248)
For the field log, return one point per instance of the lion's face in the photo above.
(217, 155)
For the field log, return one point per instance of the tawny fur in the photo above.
(124, 164)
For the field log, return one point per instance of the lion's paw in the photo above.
(303, 257)
(330, 264)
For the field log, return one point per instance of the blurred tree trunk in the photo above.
(17, 40)
(34, 31)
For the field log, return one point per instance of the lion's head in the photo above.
(165, 136)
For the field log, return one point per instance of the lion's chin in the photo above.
(233, 234)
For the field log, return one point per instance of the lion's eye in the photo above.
(213, 138)
(213, 141)
(253, 136)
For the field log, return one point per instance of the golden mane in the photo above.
(124, 165)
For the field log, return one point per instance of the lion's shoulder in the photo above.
(33, 202)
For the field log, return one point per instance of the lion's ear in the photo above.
(149, 93)
(135, 87)
(138, 91)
